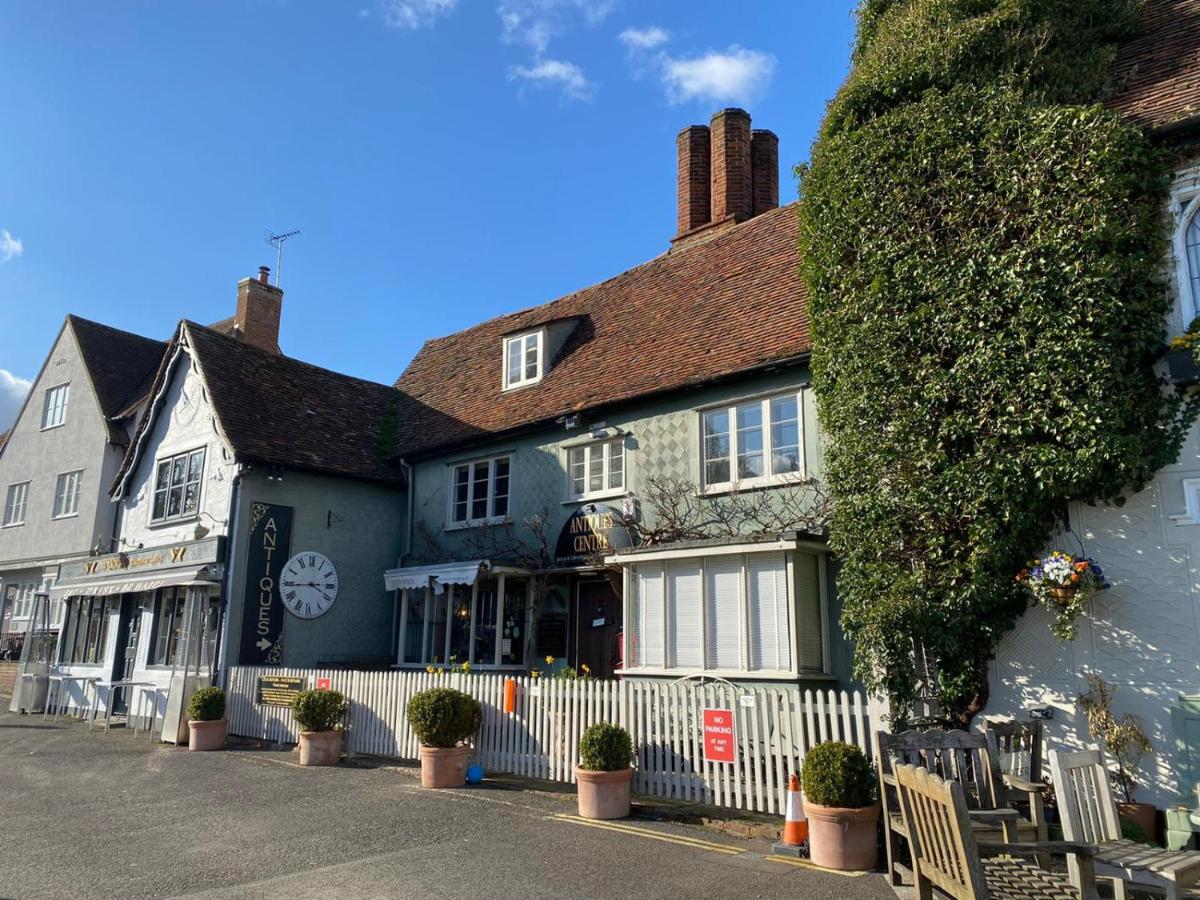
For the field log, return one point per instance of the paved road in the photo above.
(94, 816)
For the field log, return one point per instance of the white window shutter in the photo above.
(723, 611)
(685, 584)
(649, 616)
(770, 634)
(810, 639)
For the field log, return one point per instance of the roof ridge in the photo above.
(74, 319)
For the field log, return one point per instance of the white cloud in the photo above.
(737, 75)
(12, 395)
(9, 247)
(416, 13)
(637, 39)
(554, 73)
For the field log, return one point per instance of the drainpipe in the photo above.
(227, 580)
(407, 549)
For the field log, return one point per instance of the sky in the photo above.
(446, 161)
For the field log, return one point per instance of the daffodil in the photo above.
(429, 669)
(549, 660)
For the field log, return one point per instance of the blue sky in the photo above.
(445, 160)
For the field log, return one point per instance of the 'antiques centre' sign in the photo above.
(278, 690)
(262, 607)
(591, 532)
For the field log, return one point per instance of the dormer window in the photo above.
(523, 359)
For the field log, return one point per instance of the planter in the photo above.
(320, 748)
(1141, 814)
(842, 839)
(1182, 366)
(1062, 595)
(207, 735)
(603, 795)
(444, 767)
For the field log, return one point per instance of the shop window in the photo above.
(1189, 237)
(483, 624)
(479, 491)
(730, 613)
(54, 406)
(87, 629)
(66, 494)
(14, 503)
(177, 486)
(523, 359)
(754, 443)
(169, 622)
(596, 469)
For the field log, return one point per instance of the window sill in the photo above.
(13, 525)
(52, 427)
(752, 484)
(73, 515)
(592, 498)
(521, 385)
(478, 523)
(180, 520)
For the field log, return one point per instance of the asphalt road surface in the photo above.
(94, 816)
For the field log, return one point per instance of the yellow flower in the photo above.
(535, 673)
(466, 667)
(586, 670)
(549, 660)
(429, 669)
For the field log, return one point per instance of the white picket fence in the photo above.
(773, 727)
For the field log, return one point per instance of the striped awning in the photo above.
(136, 584)
(436, 577)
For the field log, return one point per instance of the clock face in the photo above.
(308, 585)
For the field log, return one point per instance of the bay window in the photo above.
(753, 443)
(177, 486)
(479, 491)
(596, 469)
(484, 624)
(739, 613)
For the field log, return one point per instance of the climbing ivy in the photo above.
(982, 247)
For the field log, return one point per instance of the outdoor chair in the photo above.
(946, 855)
(964, 757)
(1017, 750)
(1088, 811)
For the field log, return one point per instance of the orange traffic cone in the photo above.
(795, 827)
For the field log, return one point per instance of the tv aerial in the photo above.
(277, 241)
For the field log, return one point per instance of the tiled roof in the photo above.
(714, 309)
(118, 362)
(1156, 77)
(280, 411)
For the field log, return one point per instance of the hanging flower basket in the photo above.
(1065, 582)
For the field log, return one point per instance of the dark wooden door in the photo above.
(598, 625)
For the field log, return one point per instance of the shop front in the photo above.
(139, 631)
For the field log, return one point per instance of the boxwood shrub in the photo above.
(207, 705)
(443, 717)
(605, 748)
(838, 774)
(319, 710)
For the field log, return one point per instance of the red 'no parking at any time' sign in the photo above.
(718, 735)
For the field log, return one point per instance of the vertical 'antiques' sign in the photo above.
(262, 617)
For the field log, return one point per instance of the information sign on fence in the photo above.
(719, 741)
(278, 690)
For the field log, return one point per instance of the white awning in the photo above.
(436, 577)
(135, 584)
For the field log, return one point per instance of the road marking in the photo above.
(809, 864)
(635, 831)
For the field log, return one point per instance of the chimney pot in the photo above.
(732, 190)
(264, 274)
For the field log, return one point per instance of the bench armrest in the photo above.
(997, 816)
(992, 848)
(1016, 783)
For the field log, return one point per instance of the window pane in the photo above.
(716, 447)
(479, 491)
(723, 617)
(514, 360)
(616, 465)
(576, 471)
(414, 626)
(500, 488)
(596, 468)
(175, 501)
(160, 505)
(531, 357)
(512, 638)
(684, 614)
(460, 624)
(485, 628)
(191, 497)
(178, 470)
(750, 441)
(770, 635)
(1192, 241)
(462, 475)
(196, 465)
(435, 642)
(164, 475)
(647, 649)
(785, 435)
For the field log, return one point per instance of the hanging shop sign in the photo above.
(191, 553)
(719, 741)
(278, 690)
(591, 532)
(262, 606)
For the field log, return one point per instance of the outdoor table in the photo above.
(112, 687)
(61, 680)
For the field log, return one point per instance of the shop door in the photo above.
(128, 627)
(598, 626)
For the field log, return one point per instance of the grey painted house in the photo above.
(624, 479)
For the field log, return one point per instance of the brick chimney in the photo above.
(728, 173)
(259, 305)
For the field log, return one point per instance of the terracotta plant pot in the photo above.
(1141, 814)
(603, 795)
(444, 767)
(320, 748)
(1062, 595)
(207, 735)
(842, 839)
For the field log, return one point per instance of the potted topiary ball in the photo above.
(207, 726)
(319, 714)
(839, 801)
(604, 772)
(443, 719)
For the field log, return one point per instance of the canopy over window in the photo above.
(135, 584)
(436, 577)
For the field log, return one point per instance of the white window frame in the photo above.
(66, 494)
(766, 480)
(182, 515)
(22, 600)
(59, 409)
(663, 559)
(14, 513)
(453, 593)
(491, 518)
(522, 380)
(588, 450)
(1185, 200)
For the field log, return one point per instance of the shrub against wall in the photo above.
(981, 246)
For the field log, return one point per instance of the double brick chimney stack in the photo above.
(728, 173)
(259, 307)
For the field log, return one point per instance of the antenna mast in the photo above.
(276, 241)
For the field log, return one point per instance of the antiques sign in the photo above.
(278, 690)
(592, 531)
(193, 553)
(262, 607)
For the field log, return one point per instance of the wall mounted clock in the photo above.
(308, 584)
